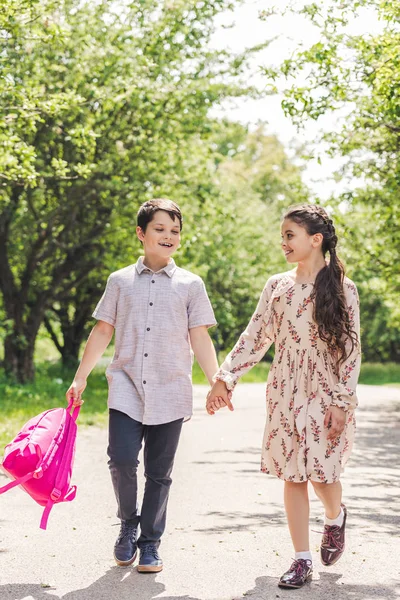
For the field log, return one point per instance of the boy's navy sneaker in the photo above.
(125, 549)
(150, 561)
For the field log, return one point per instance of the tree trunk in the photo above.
(70, 351)
(18, 358)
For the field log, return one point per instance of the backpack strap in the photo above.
(75, 412)
(55, 494)
(16, 482)
(62, 474)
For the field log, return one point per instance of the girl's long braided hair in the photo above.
(330, 309)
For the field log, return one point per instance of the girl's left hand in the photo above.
(335, 420)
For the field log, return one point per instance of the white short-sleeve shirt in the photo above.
(150, 376)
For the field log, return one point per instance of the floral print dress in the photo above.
(303, 381)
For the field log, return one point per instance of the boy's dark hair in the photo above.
(148, 209)
(330, 310)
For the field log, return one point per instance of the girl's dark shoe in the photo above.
(150, 561)
(125, 549)
(332, 545)
(299, 573)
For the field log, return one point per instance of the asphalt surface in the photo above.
(226, 535)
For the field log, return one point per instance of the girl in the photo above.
(311, 314)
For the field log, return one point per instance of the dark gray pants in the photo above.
(160, 445)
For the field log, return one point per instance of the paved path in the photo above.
(226, 536)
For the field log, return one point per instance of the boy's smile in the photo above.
(161, 238)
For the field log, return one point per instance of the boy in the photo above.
(159, 312)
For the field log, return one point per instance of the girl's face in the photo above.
(297, 244)
(162, 236)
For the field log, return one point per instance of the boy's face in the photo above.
(162, 236)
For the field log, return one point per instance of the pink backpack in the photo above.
(41, 456)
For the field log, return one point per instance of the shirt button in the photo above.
(144, 382)
(148, 329)
(151, 304)
(152, 281)
(146, 354)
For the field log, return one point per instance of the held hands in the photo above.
(218, 397)
(75, 392)
(335, 420)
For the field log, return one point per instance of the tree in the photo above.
(359, 73)
(99, 109)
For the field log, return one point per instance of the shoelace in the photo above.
(299, 565)
(127, 531)
(150, 549)
(331, 537)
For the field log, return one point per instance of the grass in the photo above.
(19, 403)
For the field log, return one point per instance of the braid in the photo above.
(330, 309)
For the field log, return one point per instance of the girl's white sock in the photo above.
(303, 555)
(338, 521)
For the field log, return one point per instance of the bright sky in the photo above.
(290, 31)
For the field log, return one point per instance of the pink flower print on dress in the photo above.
(324, 384)
(347, 371)
(315, 429)
(326, 360)
(271, 436)
(351, 313)
(287, 455)
(292, 330)
(291, 402)
(239, 347)
(291, 365)
(271, 409)
(331, 446)
(275, 382)
(283, 384)
(274, 285)
(246, 365)
(344, 450)
(311, 397)
(286, 425)
(278, 321)
(302, 357)
(324, 406)
(259, 342)
(298, 410)
(281, 350)
(312, 365)
(278, 469)
(352, 287)
(319, 471)
(289, 296)
(313, 334)
(303, 306)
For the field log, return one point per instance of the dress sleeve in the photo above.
(344, 392)
(250, 347)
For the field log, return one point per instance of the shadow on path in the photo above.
(116, 584)
(327, 586)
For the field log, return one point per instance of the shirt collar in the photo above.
(169, 269)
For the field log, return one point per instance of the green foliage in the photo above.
(359, 73)
(99, 112)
